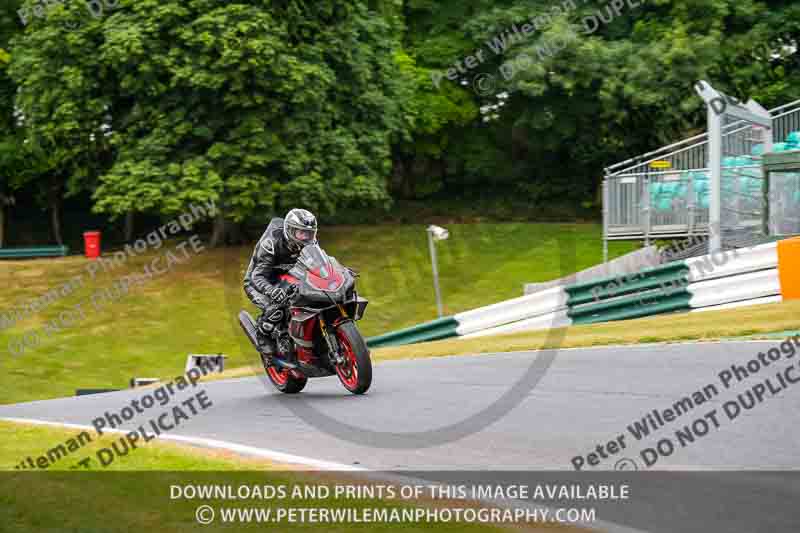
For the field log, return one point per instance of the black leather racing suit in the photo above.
(262, 276)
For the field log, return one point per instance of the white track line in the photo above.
(601, 525)
(214, 444)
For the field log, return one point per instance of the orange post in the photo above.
(789, 268)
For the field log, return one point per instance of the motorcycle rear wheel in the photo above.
(356, 373)
(284, 380)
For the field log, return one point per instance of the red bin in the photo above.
(91, 241)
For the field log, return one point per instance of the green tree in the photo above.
(61, 101)
(259, 105)
(432, 116)
(256, 105)
(441, 117)
(12, 157)
(585, 93)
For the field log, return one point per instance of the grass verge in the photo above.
(135, 493)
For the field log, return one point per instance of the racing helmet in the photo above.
(300, 229)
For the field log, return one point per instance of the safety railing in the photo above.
(642, 202)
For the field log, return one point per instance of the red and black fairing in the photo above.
(325, 296)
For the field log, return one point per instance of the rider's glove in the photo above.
(278, 295)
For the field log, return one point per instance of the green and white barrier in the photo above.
(527, 312)
(541, 310)
(733, 262)
(732, 289)
(434, 330)
(651, 291)
(722, 280)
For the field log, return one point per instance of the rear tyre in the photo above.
(356, 373)
(285, 381)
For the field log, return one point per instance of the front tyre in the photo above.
(356, 372)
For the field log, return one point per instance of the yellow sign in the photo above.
(660, 164)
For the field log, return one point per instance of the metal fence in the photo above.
(784, 218)
(640, 202)
(743, 189)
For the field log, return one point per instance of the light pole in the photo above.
(436, 233)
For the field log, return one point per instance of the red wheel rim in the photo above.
(347, 372)
(278, 377)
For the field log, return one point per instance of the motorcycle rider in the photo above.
(280, 244)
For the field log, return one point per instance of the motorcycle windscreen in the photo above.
(321, 272)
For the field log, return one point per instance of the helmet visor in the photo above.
(303, 236)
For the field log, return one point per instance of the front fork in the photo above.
(334, 353)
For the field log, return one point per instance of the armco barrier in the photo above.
(763, 274)
(652, 291)
(720, 280)
(733, 262)
(527, 307)
(647, 303)
(534, 311)
(614, 286)
(737, 288)
(742, 303)
(556, 319)
(441, 328)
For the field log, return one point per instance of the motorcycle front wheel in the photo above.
(356, 372)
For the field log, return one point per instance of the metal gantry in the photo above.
(703, 182)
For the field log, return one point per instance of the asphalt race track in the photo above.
(587, 398)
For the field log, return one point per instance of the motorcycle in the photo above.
(323, 309)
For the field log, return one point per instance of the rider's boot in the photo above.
(275, 335)
(284, 345)
(266, 341)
